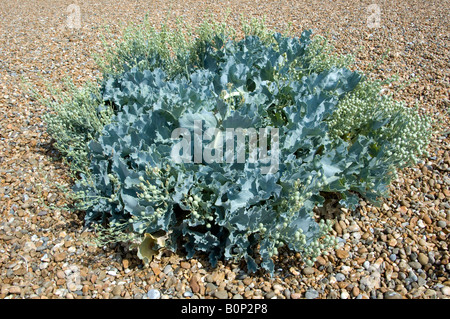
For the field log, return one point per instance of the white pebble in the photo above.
(344, 294)
(356, 235)
(446, 290)
(366, 264)
(154, 294)
(278, 287)
(346, 269)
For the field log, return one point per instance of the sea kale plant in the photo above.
(225, 145)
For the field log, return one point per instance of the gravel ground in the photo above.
(399, 250)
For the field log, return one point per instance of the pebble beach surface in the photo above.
(396, 251)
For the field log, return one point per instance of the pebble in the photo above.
(353, 228)
(345, 294)
(333, 294)
(185, 265)
(427, 219)
(412, 276)
(355, 291)
(415, 265)
(270, 295)
(15, 290)
(446, 290)
(188, 294)
(193, 283)
(340, 277)
(342, 254)
(60, 274)
(60, 256)
(117, 290)
(153, 294)
(221, 294)
(321, 261)
(421, 281)
(210, 287)
(442, 223)
(310, 294)
(287, 293)
(366, 264)
(295, 295)
(247, 281)
(423, 259)
(308, 271)
(392, 295)
(167, 269)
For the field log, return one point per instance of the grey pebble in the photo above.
(311, 294)
(415, 265)
(167, 269)
(442, 223)
(340, 277)
(431, 259)
(42, 247)
(412, 276)
(287, 293)
(421, 281)
(270, 295)
(393, 257)
(210, 286)
(408, 250)
(188, 294)
(308, 271)
(241, 276)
